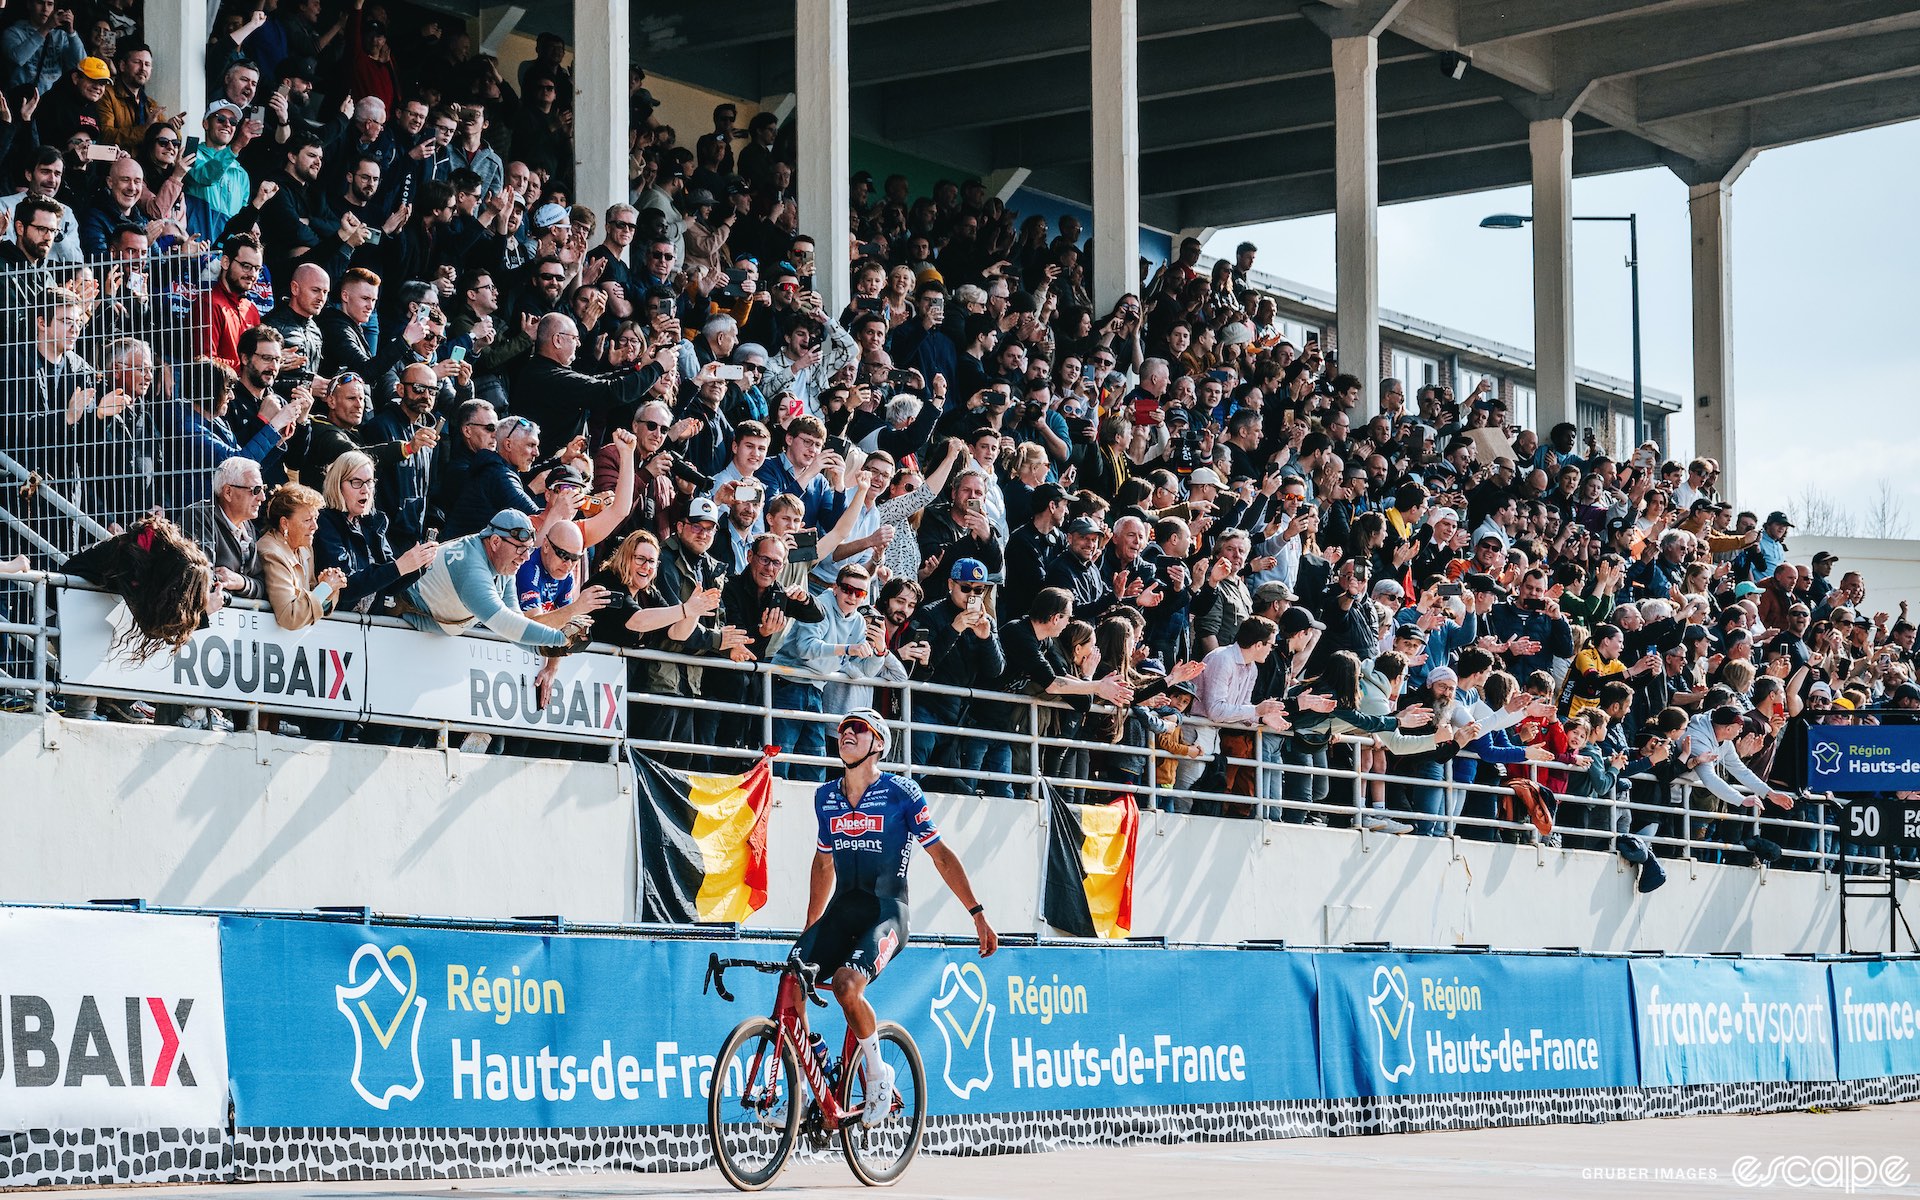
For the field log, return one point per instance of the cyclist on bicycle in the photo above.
(857, 893)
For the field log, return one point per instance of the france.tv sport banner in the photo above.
(1877, 1013)
(1863, 758)
(1419, 1024)
(372, 1026)
(1725, 1020)
(113, 1021)
(348, 670)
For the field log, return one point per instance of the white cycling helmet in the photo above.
(882, 736)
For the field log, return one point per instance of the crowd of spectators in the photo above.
(347, 329)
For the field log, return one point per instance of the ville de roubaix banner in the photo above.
(112, 1021)
(347, 669)
(371, 1026)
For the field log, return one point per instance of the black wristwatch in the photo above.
(976, 910)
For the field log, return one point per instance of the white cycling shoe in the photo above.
(879, 1104)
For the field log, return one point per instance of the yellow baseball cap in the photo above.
(93, 68)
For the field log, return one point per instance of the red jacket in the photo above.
(221, 318)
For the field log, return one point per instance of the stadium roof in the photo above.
(1236, 96)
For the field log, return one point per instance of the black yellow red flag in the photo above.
(703, 842)
(1090, 861)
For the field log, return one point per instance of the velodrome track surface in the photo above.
(1681, 1157)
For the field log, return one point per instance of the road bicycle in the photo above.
(756, 1112)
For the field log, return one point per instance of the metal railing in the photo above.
(1685, 829)
(106, 420)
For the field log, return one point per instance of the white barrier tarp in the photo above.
(113, 1020)
(347, 670)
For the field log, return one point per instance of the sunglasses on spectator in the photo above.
(489, 426)
(257, 489)
(852, 589)
(565, 556)
(622, 225)
(512, 423)
(519, 537)
(973, 589)
(546, 278)
(651, 426)
(166, 141)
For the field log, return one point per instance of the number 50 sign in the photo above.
(1894, 823)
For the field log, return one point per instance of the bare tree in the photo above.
(1820, 515)
(1886, 515)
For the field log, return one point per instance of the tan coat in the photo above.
(289, 576)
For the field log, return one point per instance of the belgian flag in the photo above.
(1090, 854)
(703, 842)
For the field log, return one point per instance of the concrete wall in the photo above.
(95, 810)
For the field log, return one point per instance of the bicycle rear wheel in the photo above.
(753, 1106)
(879, 1153)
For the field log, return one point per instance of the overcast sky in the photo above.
(1826, 260)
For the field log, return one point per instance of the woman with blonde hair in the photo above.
(299, 597)
(352, 536)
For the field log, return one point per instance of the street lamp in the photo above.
(1516, 221)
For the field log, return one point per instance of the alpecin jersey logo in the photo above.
(857, 824)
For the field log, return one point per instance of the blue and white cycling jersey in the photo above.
(871, 842)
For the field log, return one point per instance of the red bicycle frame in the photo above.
(790, 1018)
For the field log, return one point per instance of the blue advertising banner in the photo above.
(1725, 1020)
(353, 1025)
(1416, 1024)
(1877, 1006)
(1863, 758)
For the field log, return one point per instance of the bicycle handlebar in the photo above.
(717, 968)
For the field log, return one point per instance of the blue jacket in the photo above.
(203, 444)
(824, 505)
(492, 485)
(361, 551)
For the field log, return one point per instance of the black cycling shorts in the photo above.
(858, 930)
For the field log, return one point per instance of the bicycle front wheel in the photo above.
(879, 1152)
(753, 1105)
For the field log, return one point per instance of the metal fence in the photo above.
(104, 418)
(705, 734)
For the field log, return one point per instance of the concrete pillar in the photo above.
(602, 32)
(1356, 212)
(1552, 144)
(177, 32)
(1710, 209)
(820, 71)
(1116, 151)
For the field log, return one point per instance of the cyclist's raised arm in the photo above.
(948, 864)
(819, 886)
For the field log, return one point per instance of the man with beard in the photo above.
(406, 481)
(25, 280)
(223, 313)
(292, 225)
(255, 403)
(126, 110)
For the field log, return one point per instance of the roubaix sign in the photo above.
(347, 669)
(112, 1021)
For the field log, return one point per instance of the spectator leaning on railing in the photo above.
(975, 424)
